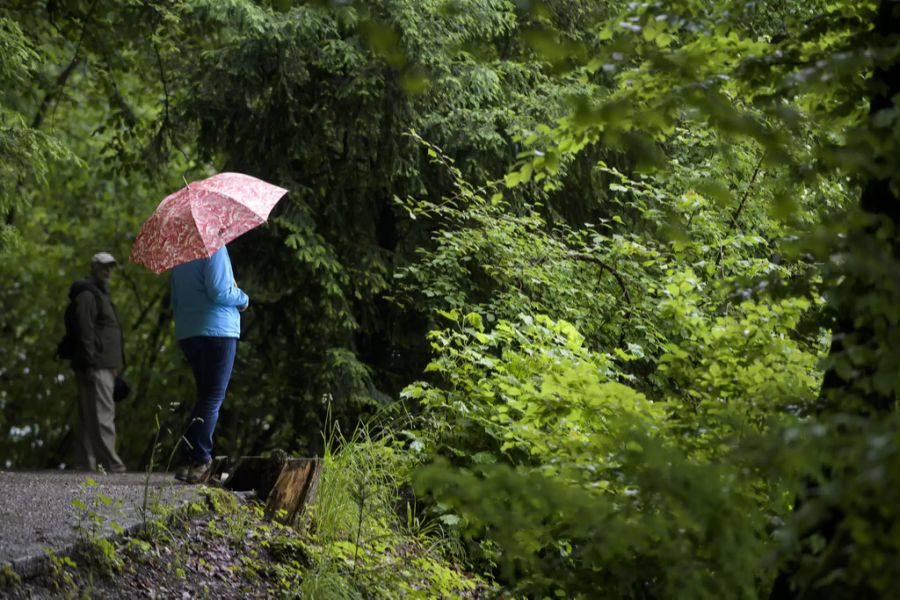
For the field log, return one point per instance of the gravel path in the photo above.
(37, 510)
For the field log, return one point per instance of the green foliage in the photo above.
(357, 543)
(25, 152)
(680, 532)
(686, 358)
(318, 100)
(662, 358)
(724, 339)
(530, 393)
(93, 525)
(580, 482)
(848, 502)
(62, 569)
(89, 94)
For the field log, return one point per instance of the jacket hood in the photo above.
(81, 285)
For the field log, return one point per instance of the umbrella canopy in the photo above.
(199, 219)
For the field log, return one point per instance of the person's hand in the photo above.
(244, 307)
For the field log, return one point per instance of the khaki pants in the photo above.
(95, 438)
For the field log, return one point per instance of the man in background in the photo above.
(97, 358)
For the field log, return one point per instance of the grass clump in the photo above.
(363, 542)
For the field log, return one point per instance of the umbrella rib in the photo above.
(196, 228)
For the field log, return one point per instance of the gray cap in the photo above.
(103, 258)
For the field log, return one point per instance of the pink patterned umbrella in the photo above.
(199, 219)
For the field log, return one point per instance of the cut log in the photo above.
(287, 485)
(295, 488)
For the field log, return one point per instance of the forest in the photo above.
(602, 297)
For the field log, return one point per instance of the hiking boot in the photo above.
(193, 471)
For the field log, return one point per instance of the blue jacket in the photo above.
(205, 298)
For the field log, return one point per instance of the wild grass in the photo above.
(365, 523)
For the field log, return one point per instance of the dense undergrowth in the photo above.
(597, 423)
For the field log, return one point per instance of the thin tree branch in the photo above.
(737, 212)
(56, 91)
(75, 57)
(166, 127)
(606, 267)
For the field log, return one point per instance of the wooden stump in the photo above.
(295, 488)
(286, 484)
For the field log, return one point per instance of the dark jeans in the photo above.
(211, 359)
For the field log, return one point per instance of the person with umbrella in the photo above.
(206, 302)
(187, 233)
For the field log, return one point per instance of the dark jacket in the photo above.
(98, 335)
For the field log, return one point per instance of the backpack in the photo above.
(65, 350)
